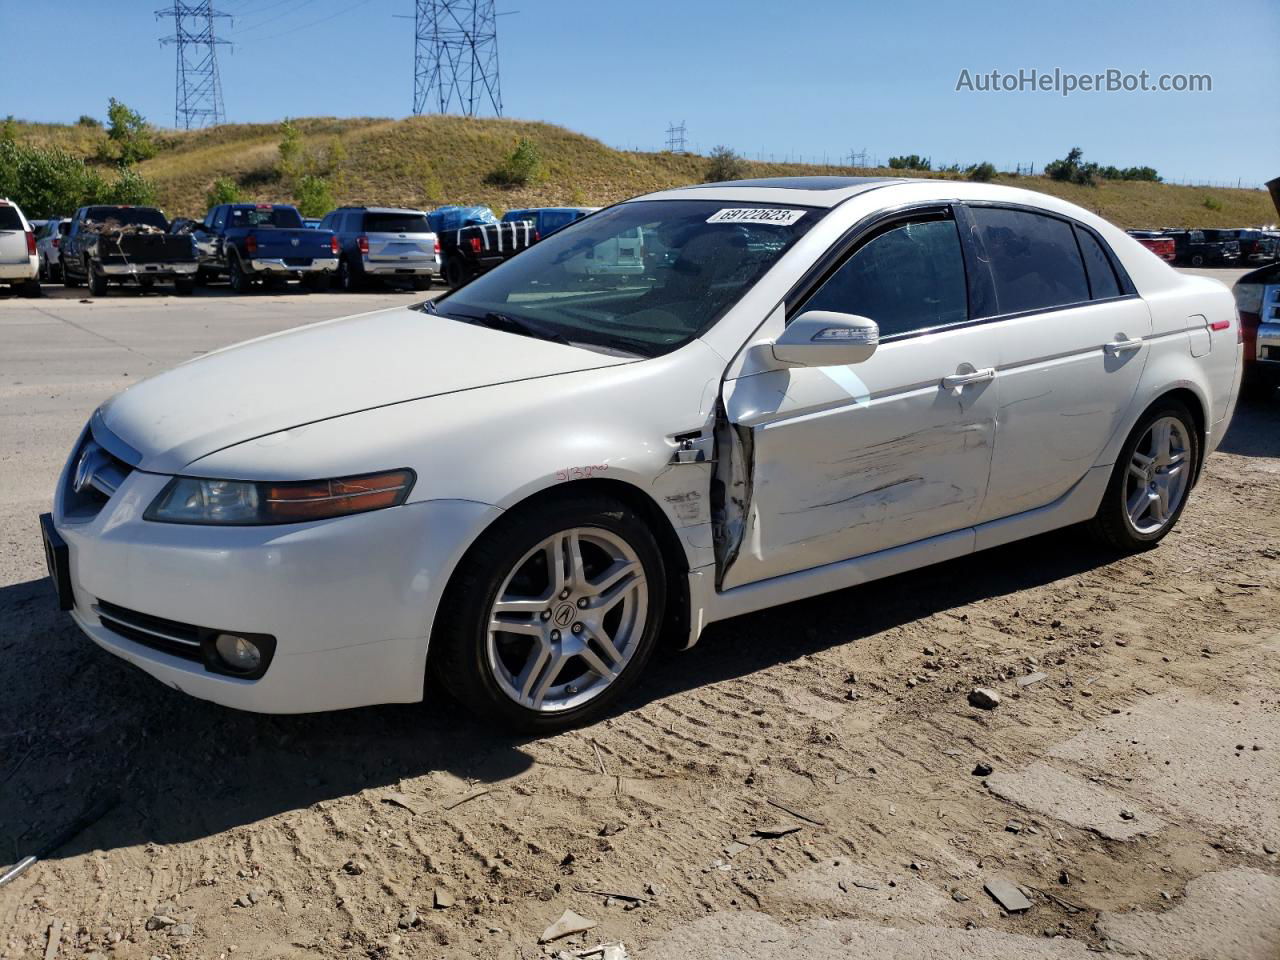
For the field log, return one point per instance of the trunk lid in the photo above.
(287, 243)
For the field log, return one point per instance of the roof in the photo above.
(381, 209)
(808, 191)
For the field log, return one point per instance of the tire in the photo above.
(1197, 260)
(348, 280)
(97, 281)
(237, 277)
(68, 280)
(316, 282)
(483, 669)
(55, 273)
(422, 283)
(42, 273)
(31, 288)
(184, 286)
(1132, 529)
(455, 274)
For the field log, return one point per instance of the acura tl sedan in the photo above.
(513, 491)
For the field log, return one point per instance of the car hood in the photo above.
(319, 372)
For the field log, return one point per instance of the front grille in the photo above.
(167, 636)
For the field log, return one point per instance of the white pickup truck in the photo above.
(19, 265)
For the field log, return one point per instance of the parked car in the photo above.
(383, 243)
(263, 242)
(19, 262)
(1205, 247)
(1256, 246)
(517, 487)
(1160, 244)
(108, 244)
(547, 220)
(1258, 300)
(49, 248)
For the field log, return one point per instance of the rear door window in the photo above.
(1035, 263)
(9, 219)
(396, 223)
(907, 279)
(1102, 277)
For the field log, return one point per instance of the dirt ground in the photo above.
(1133, 793)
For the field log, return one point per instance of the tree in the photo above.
(522, 167)
(1072, 169)
(88, 121)
(129, 132)
(724, 164)
(224, 190)
(50, 182)
(312, 196)
(981, 172)
(291, 159)
(911, 161)
(130, 188)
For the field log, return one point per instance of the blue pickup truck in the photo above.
(248, 242)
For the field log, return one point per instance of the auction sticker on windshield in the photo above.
(781, 218)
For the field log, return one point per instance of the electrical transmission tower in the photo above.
(455, 59)
(676, 137)
(198, 94)
(858, 158)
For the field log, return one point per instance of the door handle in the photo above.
(958, 381)
(1117, 347)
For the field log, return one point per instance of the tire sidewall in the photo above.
(481, 575)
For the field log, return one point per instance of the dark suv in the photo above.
(383, 243)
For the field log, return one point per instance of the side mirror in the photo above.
(823, 338)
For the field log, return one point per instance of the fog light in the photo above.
(240, 655)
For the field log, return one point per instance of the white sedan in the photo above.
(516, 489)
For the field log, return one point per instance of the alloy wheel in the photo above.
(567, 620)
(1157, 478)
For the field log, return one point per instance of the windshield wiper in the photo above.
(519, 325)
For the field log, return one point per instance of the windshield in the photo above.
(644, 277)
(284, 217)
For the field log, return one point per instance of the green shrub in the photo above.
(312, 196)
(88, 121)
(911, 161)
(522, 168)
(291, 159)
(130, 188)
(1072, 169)
(129, 134)
(724, 164)
(981, 172)
(224, 190)
(1211, 203)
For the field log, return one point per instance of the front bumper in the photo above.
(117, 270)
(349, 601)
(25, 269)
(277, 265)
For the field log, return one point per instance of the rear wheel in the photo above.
(316, 282)
(455, 274)
(552, 615)
(237, 277)
(1197, 260)
(31, 288)
(97, 281)
(348, 279)
(1151, 479)
(422, 283)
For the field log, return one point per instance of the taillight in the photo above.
(537, 235)
(56, 241)
(475, 245)
(437, 248)
(1249, 306)
(31, 244)
(251, 244)
(363, 244)
(333, 246)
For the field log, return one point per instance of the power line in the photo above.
(198, 85)
(455, 58)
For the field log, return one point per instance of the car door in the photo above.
(846, 461)
(1071, 337)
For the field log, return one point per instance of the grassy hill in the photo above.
(430, 160)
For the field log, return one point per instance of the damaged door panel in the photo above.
(820, 464)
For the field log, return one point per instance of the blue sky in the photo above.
(810, 78)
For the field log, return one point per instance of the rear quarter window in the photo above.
(1102, 277)
(1035, 263)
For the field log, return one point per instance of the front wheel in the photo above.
(97, 281)
(552, 615)
(1151, 479)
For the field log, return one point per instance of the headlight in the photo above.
(242, 502)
